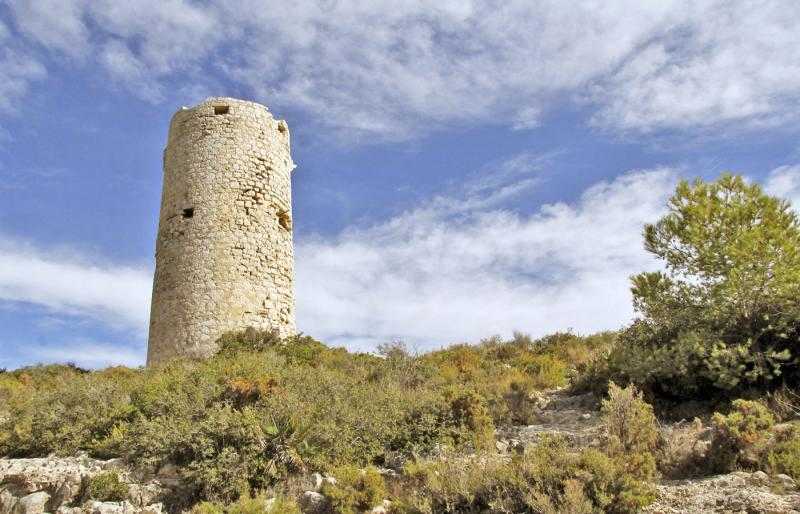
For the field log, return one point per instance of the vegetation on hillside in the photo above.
(264, 409)
(721, 321)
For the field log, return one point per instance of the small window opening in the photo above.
(221, 109)
(281, 127)
(188, 213)
(284, 220)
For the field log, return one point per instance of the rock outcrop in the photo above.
(751, 493)
(58, 485)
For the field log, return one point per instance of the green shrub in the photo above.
(107, 487)
(631, 430)
(472, 417)
(547, 371)
(249, 504)
(740, 436)
(784, 455)
(207, 508)
(550, 478)
(723, 316)
(224, 452)
(249, 340)
(299, 349)
(355, 490)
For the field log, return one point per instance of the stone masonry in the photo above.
(224, 257)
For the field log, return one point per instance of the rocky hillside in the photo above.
(72, 485)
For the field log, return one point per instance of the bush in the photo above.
(740, 436)
(631, 431)
(550, 478)
(684, 450)
(472, 417)
(248, 504)
(107, 487)
(355, 490)
(547, 371)
(784, 455)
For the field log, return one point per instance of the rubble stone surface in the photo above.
(224, 255)
(53, 484)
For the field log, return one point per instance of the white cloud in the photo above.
(116, 295)
(398, 70)
(121, 62)
(455, 269)
(17, 70)
(85, 353)
(721, 65)
(139, 44)
(784, 181)
(55, 24)
(438, 275)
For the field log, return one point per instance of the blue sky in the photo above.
(464, 169)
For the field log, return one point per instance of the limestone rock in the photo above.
(734, 492)
(320, 480)
(34, 503)
(122, 508)
(7, 501)
(34, 486)
(312, 502)
(759, 478)
(785, 481)
(383, 508)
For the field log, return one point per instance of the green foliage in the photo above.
(222, 453)
(740, 435)
(265, 410)
(249, 504)
(60, 409)
(549, 478)
(784, 455)
(355, 490)
(472, 416)
(107, 487)
(207, 508)
(631, 430)
(297, 349)
(730, 250)
(724, 315)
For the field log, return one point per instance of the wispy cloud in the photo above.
(718, 65)
(18, 69)
(458, 269)
(82, 352)
(67, 283)
(389, 70)
(14, 180)
(454, 269)
(437, 274)
(784, 181)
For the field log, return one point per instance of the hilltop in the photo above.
(691, 408)
(503, 425)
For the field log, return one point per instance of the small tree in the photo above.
(731, 253)
(724, 312)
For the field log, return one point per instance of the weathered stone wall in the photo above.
(224, 257)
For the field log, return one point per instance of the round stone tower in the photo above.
(224, 257)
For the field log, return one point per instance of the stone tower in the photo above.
(224, 257)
